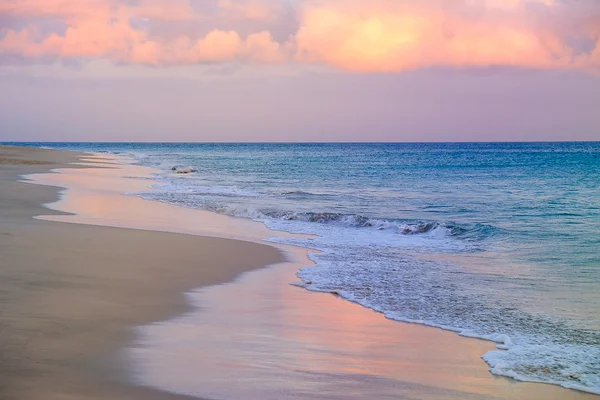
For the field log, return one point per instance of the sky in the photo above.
(299, 70)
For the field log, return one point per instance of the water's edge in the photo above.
(494, 358)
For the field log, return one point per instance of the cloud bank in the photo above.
(352, 35)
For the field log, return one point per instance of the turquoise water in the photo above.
(499, 241)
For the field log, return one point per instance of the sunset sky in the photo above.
(299, 70)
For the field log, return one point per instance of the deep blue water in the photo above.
(500, 241)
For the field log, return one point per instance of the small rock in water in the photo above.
(185, 170)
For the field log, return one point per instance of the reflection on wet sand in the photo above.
(262, 338)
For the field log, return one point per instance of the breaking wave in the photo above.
(187, 197)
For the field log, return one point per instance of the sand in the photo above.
(70, 294)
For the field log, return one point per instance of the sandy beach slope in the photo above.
(70, 294)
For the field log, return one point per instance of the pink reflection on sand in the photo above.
(261, 338)
(95, 196)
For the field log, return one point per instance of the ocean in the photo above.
(495, 241)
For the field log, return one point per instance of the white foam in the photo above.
(169, 189)
(379, 272)
(570, 366)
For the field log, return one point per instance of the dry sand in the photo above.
(70, 294)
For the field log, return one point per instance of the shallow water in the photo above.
(491, 240)
(261, 338)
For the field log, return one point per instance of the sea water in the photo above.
(495, 241)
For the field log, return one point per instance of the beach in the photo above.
(79, 282)
(71, 293)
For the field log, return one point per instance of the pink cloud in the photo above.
(217, 46)
(104, 29)
(353, 35)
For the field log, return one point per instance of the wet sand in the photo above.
(72, 295)
(284, 343)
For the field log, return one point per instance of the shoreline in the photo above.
(249, 229)
(71, 294)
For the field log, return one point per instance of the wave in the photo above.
(344, 220)
(299, 193)
(192, 197)
(187, 195)
(359, 221)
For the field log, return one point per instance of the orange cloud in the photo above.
(384, 36)
(353, 35)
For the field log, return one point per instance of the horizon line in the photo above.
(299, 142)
